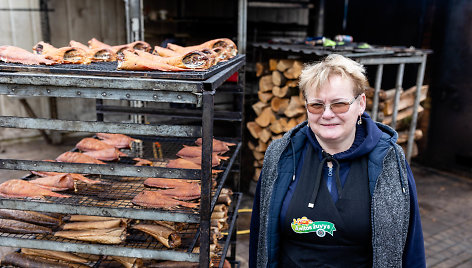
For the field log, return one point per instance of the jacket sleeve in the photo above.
(414, 254)
(254, 229)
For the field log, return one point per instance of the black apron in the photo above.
(329, 234)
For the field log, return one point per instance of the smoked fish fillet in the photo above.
(20, 189)
(103, 236)
(186, 193)
(184, 163)
(74, 157)
(116, 140)
(58, 255)
(19, 55)
(62, 55)
(23, 260)
(56, 182)
(29, 216)
(134, 62)
(19, 227)
(190, 60)
(75, 176)
(95, 54)
(85, 225)
(224, 43)
(155, 199)
(109, 154)
(168, 183)
(166, 236)
(137, 45)
(196, 151)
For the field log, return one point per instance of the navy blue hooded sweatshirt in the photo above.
(367, 136)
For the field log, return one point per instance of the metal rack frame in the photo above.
(198, 92)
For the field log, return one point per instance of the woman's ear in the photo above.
(362, 103)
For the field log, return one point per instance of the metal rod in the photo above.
(242, 26)
(398, 88)
(218, 79)
(205, 200)
(97, 127)
(73, 206)
(378, 82)
(414, 117)
(232, 230)
(170, 113)
(108, 169)
(100, 249)
(397, 60)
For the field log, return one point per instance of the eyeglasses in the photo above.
(336, 107)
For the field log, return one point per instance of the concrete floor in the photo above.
(445, 206)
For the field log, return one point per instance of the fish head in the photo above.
(195, 59)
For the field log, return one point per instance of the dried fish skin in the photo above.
(102, 236)
(20, 189)
(30, 216)
(166, 236)
(19, 227)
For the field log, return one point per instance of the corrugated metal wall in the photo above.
(69, 20)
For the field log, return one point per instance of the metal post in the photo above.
(135, 32)
(205, 200)
(320, 24)
(398, 88)
(414, 118)
(378, 82)
(242, 26)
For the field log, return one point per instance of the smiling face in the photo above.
(335, 132)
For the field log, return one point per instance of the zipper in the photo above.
(330, 175)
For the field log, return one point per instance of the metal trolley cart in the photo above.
(102, 81)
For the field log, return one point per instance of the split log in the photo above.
(402, 115)
(283, 92)
(257, 174)
(370, 104)
(383, 94)
(407, 99)
(292, 83)
(295, 71)
(265, 118)
(272, 65)
(254, 129)
(257, 164)
(262, 147)
(301, 118)
(262, 68)
(278, 79)
(264, 97)
(284, 64)
(403, 136)
(258, 106)
(295, 107)
(276, 127)
(265, 135)
(276, 137)
(290, 124)
(257, 155)
(251, 146)
(265, 83)
(279, 105)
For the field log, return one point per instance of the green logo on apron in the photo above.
(304, 225)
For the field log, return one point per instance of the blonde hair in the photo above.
(316, 74)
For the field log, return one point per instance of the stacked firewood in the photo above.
(405, 111)
(280, 106)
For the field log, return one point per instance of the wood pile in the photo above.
(405, 111)
(280, 105)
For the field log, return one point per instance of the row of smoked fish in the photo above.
(103, 230)
(133, 56)
(165, 193)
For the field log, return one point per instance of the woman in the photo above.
(336, 191)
